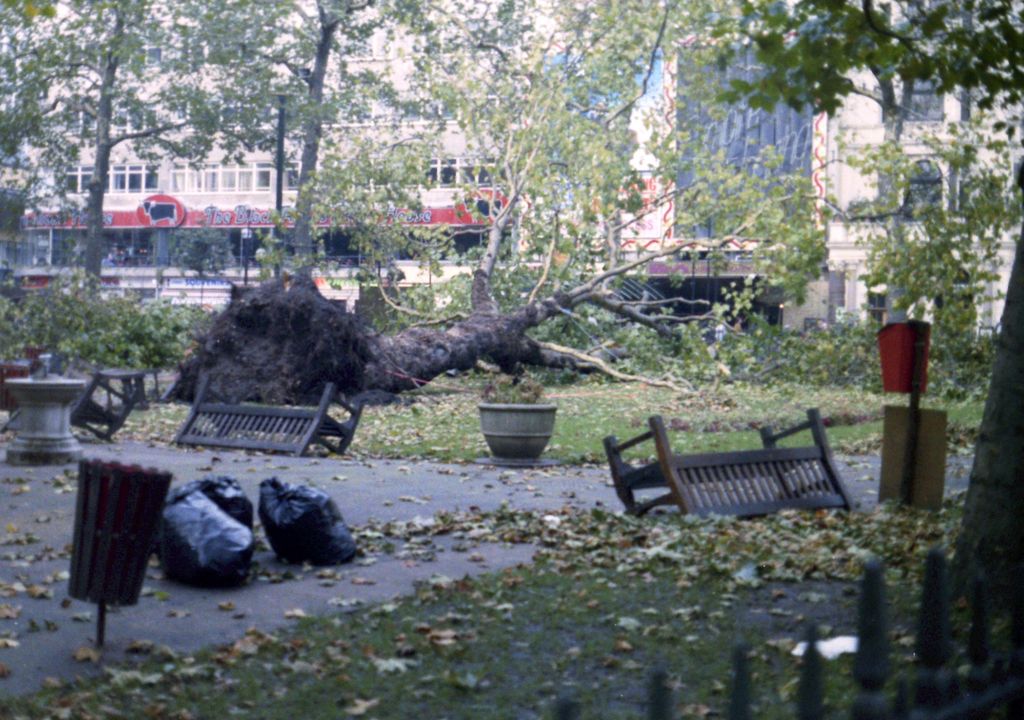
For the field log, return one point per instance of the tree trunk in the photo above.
(413, 357)
(311, 135)
(991, 539)
(98, 184)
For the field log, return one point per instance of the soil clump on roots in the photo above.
(279, 343)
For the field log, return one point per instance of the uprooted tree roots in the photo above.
(279, 343)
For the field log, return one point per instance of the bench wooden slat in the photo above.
(746, 482)
(262, 427)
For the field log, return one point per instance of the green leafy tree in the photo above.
(560, 118)
(92, 80)
(204, 251)
(313, 55)
(975, 47)
(958, 212)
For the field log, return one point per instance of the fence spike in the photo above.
(933, 636)
(659, 705)
(901, 706)
(1016, 664)
(810, 703)
(871, 664)
(566, 709)
(1017, 621)
(739, 702)
(978, 650)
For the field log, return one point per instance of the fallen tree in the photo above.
(281, 341)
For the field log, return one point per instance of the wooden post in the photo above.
(914, 420)
(101, 623)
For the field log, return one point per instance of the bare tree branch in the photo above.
(612, 372)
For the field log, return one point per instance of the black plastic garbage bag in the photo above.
(225, 492)
(203, 545)
(303, 524)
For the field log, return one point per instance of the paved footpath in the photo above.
(37, 516)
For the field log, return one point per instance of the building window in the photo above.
(264, 173)
(153, 55)
(217, 178)
(211, 178)
(926, 105)
(924, 189)
(78, 178)
(449, 172)
(876, 307)
(133, 178)
(291, 181)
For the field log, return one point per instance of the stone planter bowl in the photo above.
(517, 432)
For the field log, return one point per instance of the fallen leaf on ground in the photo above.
(9, 612)
(295, 613)
(87, 654)
(361, 707)
(38, 592)
(4, 671)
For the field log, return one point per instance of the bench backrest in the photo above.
(751, 482)
(253, 427)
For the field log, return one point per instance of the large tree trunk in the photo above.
(312, 134)
(94, 244)
(991, 537)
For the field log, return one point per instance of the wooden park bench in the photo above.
(744, 482)
(268, 427)
(108, 400)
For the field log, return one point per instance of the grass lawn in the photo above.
(440, 422)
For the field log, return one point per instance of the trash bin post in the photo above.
(914, 419)
(116, 516)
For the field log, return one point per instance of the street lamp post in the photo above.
(246, 247)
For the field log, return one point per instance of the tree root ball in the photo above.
(278, 343)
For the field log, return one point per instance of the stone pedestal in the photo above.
(43, 426)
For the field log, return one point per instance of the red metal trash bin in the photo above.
(896, 346)
(117, 513)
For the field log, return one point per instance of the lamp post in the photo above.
(246, 246)
(279, 172)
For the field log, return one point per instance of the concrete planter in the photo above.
(517, 432)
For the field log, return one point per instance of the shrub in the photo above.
(72, 317)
